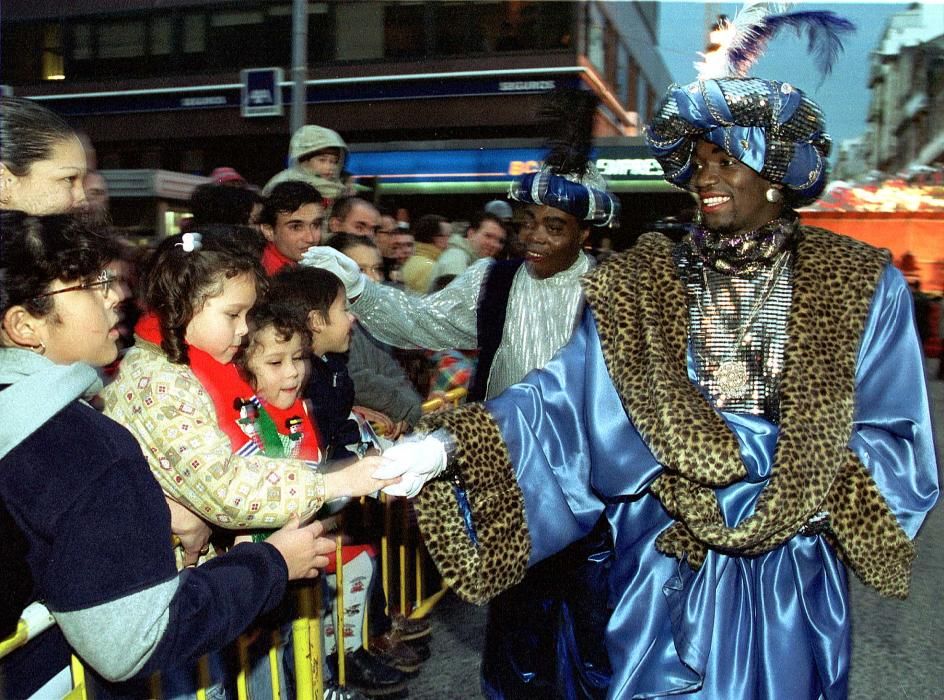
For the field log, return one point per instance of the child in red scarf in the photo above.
(275, 362)
(277, 422)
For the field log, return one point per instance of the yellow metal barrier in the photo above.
(407, 539)
(15, 640)
(35, 620)
(306, 643)
(78, 681)
(339, 609)
(450, 399)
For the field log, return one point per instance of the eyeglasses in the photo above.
(103, 283)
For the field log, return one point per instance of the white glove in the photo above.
(337, 263)
(415, 461)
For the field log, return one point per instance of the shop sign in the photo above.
(261, 92)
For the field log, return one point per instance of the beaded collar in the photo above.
(743, 253)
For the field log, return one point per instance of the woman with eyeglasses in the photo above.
(85, 527)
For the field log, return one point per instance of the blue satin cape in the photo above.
(770, 626)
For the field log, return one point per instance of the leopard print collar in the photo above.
(639, 305)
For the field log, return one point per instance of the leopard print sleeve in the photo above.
(481, 564)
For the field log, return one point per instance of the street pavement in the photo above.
(898, 646)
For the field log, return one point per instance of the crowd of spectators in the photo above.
(272, 379)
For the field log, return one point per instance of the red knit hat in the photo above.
(224, 175)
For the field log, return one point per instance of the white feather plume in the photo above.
(742, 42)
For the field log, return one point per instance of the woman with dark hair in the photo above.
(42, 167)
(86, 528)
(42, 161)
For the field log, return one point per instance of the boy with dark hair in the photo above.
(291, 223)
(318, 297)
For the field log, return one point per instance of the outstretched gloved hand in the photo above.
(337, 263)
(416, 461)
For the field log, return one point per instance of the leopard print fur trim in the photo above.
(639, 305)
(477, 573)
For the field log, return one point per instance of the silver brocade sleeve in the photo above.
(439, 321)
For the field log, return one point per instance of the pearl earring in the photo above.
(773, 195)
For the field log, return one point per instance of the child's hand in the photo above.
(303, 548)
(192, 530)
(357, 479)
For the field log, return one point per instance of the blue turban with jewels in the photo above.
(568, 180)
(768, 125)
(585, 197)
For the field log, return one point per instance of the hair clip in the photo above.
(190, 241)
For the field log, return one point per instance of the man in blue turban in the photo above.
(518, 313)
(746, 410)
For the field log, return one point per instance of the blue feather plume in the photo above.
(824, 31)
(754, 27)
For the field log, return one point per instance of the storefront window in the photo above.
(359, 30)
(194, 33)
(458, 26)
(622, 75)
(643, 96)
(82, 42)
(595, 27)
(236, 18)
(162, 36)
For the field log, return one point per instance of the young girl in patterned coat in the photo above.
(175, 390)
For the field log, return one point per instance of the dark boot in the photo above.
(367, 674)
(390, 649)
(409, 629)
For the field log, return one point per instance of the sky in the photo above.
(844, 95)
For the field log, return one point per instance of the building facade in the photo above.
(189, 85)
(906, 111)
